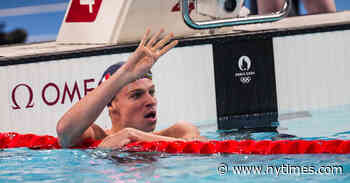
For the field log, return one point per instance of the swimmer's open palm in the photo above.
(148, 52)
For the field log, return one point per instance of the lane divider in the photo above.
(264, 147)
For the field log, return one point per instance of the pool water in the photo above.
(65, 165)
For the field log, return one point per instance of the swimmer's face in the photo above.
(135, 106)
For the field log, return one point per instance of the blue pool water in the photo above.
(24, 165)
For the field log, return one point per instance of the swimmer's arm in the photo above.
(93, 132)
(182, 130)
(128, 135)
(82, 115)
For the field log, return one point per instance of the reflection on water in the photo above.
(134, 157)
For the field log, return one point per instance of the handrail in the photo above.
(232, 21)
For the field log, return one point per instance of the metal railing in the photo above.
(232, 21)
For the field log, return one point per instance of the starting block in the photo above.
(118, 22)
(124, 21)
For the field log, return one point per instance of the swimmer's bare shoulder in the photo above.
(182, 130)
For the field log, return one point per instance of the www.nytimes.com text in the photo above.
(280, 170)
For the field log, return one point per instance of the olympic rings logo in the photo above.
(245, 80)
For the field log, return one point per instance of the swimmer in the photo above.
(129, 93)
(312, 6)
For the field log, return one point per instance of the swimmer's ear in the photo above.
(113, 108)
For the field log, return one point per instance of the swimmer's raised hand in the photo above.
(148, 52)
(77, 123)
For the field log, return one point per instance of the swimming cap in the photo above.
(113, 68)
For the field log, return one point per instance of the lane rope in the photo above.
(264, 147)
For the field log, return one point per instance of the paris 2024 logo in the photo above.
(245, 70)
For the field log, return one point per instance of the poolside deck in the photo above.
(287, 26)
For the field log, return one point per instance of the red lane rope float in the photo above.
(32, 141)
(264, 147)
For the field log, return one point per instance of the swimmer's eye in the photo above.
(152, 92)
(136, 95)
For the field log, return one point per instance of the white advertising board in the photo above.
(36, 95)
(311, 70)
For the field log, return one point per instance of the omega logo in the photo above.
(50, 94)
(30, 103)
